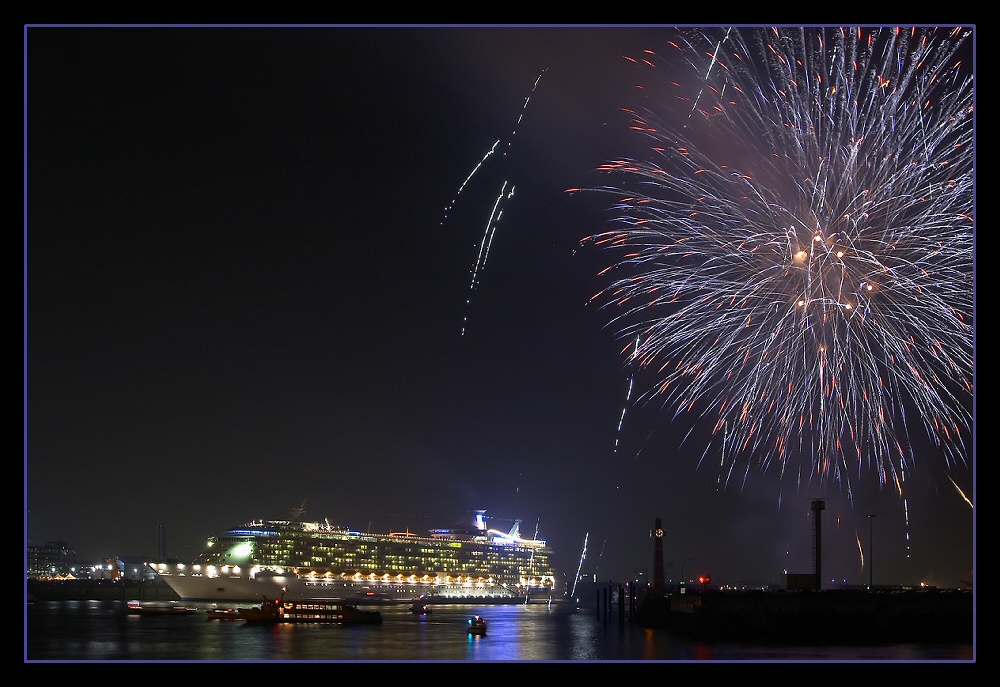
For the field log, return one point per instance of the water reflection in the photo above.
(104, 631)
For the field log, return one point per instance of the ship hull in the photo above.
(243, 589)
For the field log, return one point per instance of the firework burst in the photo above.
(795, 254)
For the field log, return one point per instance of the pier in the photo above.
(820, 616)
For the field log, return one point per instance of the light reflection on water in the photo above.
(104, 631)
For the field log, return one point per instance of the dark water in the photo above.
(102, 631)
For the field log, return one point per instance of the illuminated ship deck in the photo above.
(319, 560)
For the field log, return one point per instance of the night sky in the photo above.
(247, 276)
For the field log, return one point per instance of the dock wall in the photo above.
(826, 616)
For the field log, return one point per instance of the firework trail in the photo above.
(959, 490)
(583, 557)
(487, 240)
(628, 397)
(496, 212)
(795, 257)
(708, 73)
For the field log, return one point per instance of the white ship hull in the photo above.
(244, 589)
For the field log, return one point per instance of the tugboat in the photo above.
(477, 625)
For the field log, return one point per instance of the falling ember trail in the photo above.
(579, 567)
(959, 490)
(708, 72)
(496, 211)
(487, 241)
(628, 396)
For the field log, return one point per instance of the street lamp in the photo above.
(871, 556)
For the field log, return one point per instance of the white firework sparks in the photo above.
(795, 255)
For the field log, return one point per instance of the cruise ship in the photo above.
(469, 563)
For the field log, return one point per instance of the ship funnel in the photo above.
(515, 531)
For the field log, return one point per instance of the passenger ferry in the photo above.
(471, 562)
(309, 611)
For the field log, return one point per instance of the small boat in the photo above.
(477, 625)
(309, 611)
(160, 608)
(227, 613)
(420, 607)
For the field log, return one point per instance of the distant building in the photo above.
(134, 568)
(52, 559)
(55, 559)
